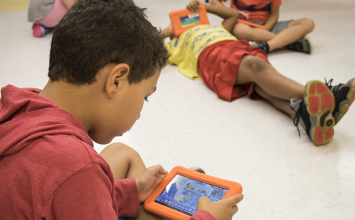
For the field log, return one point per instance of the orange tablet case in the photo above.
(251, 24)
(182, 20)
(150, 205)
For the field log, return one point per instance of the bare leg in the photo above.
(68, 3)
(255, 69)
(216, 2)
(243, 31)
(125, 163)
(295, 31)
(280, 104)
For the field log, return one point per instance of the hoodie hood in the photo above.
(25, 115)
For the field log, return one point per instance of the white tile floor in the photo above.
(184, 123)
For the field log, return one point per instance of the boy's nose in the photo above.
(139, 115)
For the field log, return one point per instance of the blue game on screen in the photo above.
(182, 194)
(189, 20)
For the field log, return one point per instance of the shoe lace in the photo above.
(296, 120)
(328, 83)
(333, 89)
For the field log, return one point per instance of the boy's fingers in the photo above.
(239, 198)
(190, 7)
(157, 169)
(203, 199)
(235, 209)
(196, 5)
(193, 6)
(235, 199)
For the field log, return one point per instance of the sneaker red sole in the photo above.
(344, 106)
(320, 104)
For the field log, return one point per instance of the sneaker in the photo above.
(261, 45)
(344, 95)
(314, 112)
(303, 45)
(39, 30)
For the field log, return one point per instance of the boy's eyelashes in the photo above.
(146, 99)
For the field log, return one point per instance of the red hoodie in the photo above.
(49, 168)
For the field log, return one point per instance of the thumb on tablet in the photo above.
(202, 201)
(221, 210)
(234, 200)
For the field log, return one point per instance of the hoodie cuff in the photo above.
(126, 193)
(202, 215)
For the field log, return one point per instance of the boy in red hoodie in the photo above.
(105, 60)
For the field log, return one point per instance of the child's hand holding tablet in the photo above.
(178, 195)
(221, 210)
(182, 20)
(149, 180)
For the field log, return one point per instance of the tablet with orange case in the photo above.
(176, 196)
(182, 20)
(251, 24)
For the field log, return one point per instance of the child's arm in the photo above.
(167, 32)
(242, 14)
(230, 15)
(273, 17)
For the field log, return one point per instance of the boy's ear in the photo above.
(116, 77)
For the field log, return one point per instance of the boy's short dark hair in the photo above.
(94, 33)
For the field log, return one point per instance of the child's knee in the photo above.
(255, 64)
(241, 31)
(309, 24)
(118, 149)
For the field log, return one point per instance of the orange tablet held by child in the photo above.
(182, 20)
(176, 196)
(251, 24)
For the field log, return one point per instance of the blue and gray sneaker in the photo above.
(344, 95)
(303, 45)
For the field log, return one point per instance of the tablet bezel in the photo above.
(176, 23)
(151, 206)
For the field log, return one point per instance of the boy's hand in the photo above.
(221, 210)
(243, 14)
(194, 5)
(149, 180)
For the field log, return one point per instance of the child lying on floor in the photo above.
(232, 69)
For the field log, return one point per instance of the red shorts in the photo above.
(219, 64)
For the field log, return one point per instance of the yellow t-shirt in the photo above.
(185, 50)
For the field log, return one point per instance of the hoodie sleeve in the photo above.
(127, 197)
(88, 194)
(202, 215)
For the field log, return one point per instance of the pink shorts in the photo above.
(54, 16)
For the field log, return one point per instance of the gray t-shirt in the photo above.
(38, 9)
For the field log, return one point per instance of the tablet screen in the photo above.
(182, 193)
(189, 20)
